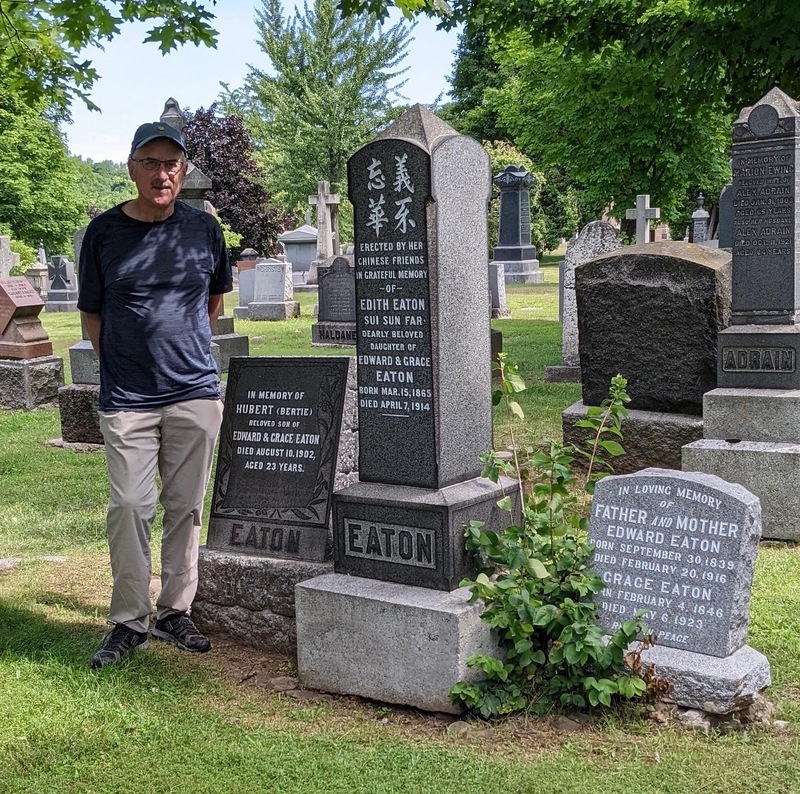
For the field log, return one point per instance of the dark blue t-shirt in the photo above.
(150, 283)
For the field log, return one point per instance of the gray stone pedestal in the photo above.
(84, 364)
(650, 438)
(30, 382)
(414, 536)
(525, 271)
(388, 642)
(229, 342)
(78, 408)
(497, 291)
(251, 599)
(752, 437)
(719, 685)
(561, 374)
(285, 310)
(61, 301)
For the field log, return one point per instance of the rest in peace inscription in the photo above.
(277, 456)
(674, 549)
(389, 188)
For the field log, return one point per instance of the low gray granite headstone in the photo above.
(681, 546)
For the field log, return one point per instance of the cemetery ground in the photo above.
(165, 721)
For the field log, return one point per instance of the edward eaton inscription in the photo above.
(674, 548)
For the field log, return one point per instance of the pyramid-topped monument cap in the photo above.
(152, 131)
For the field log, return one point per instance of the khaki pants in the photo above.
(178, 442)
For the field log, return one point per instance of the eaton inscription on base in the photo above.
(390, 543)
(680, 547)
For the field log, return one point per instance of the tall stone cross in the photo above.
(642, 215)
(327, 206)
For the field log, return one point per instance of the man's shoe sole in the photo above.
(158, 634)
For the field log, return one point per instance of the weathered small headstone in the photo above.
(514, 247)
(336, 321)
(279, 446)
(681, 547)
(643, 213)
(595, 239)
(700, 222)
(62, 292)
(273, 292)
(29, 372)
(6, 256)
(725, 226)
(230, 343)
(77, 244)
(37, 273)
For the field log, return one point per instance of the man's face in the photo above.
(158, 188)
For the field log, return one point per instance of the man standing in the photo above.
(152, 276)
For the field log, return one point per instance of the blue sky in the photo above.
(135, 80)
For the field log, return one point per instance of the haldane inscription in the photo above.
(680, 547)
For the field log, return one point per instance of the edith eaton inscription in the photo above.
(671, 548)
(277, 456)
(390, 185)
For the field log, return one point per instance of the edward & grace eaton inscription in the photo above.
(277, 456)
(389, 189)
(681, 547)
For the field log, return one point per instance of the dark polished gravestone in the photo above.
(277, 457)
(681, 547)
(336, 321)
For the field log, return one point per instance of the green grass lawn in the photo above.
(165, 721)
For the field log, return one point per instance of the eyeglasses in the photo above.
(151, 164)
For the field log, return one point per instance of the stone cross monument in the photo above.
(327, 206)
(642, 214)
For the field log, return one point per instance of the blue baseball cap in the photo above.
(152, 131)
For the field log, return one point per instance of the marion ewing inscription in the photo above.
(681, 547)
(277, 456)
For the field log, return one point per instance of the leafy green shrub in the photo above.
(537, 581)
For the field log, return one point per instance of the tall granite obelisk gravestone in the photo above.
(514, 256)
(390, 624)
(751, 423)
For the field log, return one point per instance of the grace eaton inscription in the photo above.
(389, 189)
(277, 456)
(680, 548)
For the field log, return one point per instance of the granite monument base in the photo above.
(525, 271)
(77, 405)
(251, 599)
(61, 306)
(285, 310)
(30, 382)
(562, 374)
(414, 536)
(84, 364)
(650, 438)
(388, 642)
(714, 684)
(770, 469)
(752, 414)
(329, 334)
(759, 357)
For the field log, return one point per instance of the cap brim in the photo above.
(151, 138)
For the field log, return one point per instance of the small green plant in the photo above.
(536, 577)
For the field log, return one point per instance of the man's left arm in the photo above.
(214, 308)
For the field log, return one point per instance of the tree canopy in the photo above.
(223, 150)
(327, 88)
(41, 40)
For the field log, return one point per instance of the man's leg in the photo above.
(131, 442)
(188, 434)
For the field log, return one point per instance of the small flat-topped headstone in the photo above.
(681, 546)
(643, 213)
(277, 457)
(273, 291)
(336, 321)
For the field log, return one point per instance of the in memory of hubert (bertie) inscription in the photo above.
(681, 546)
(277, 456)
(389, 187)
